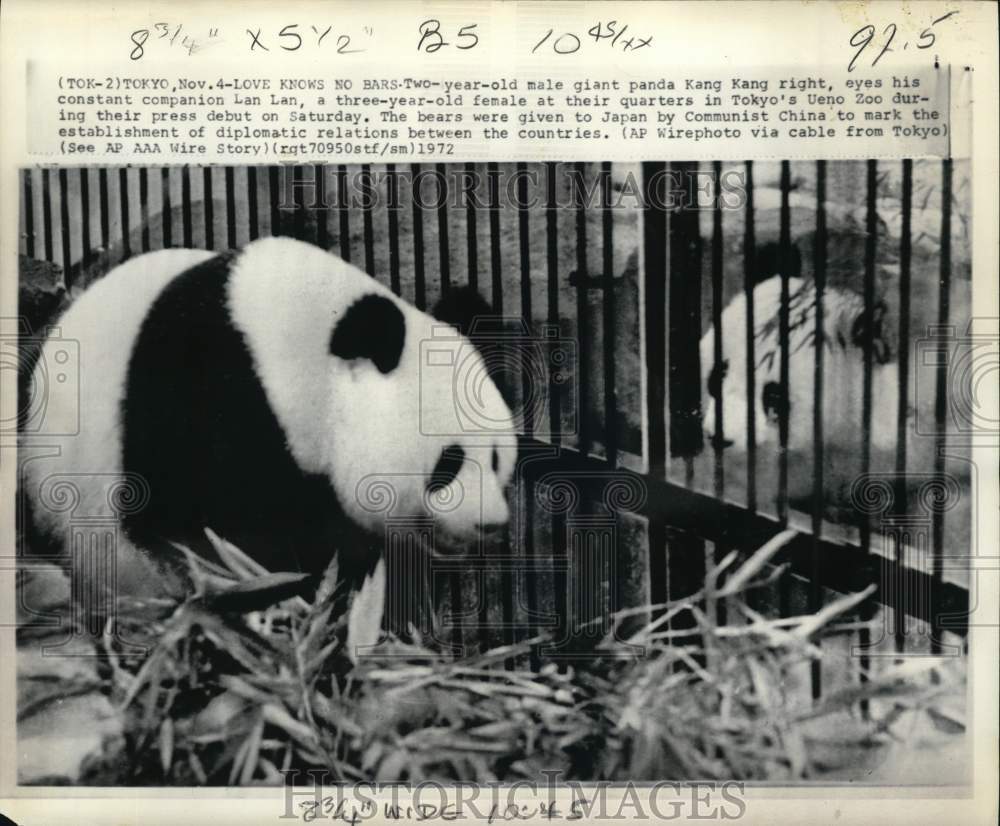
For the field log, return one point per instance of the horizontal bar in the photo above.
(842, 566)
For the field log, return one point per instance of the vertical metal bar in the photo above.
(366, 217)
(717, 354)
(444, 264)
(29, 215)
(552, 274)
(322, 210)
(784, 351)
(716, 608)
(166, 209)
(419, 284)
(85, 242)
(23, 206)
(903, 361)
(274, 187)
(524, 241)
(684, 393)
(493, 174)
(186, 207)
(616, 583)
(342, 213)
(871, 234)
(46, 215)
(559, 534)
(444, 258)
(608, 297)
(209, 207)
(143, 209)
(392, 185)
(471, 239)
(493, 178)
(444, 254)
(123, 199)
(102, 205)
(819, 343)
(749, 282)
(684, 371)
(253, 229)
(941, 387)
(864, 525)
(783, 335)
(298, 201)
(231, 208)
(458, 592)
(527, 392)
(582, 275)
(64, 223)
(654, 224)
(458, 598)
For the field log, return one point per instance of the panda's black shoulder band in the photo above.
(373, 328)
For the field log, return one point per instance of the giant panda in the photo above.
(277, 396)
(846, 327)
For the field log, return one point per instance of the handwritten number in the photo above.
(863, 36)
(572, 43)
(886, 48)
(867, 33)
(599, 31)
(343, 41)
(286, 33)
(463, 32)
(139, 38)
(548, 34)
(573, 46)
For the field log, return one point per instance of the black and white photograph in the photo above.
(499, 411)
(470, 472)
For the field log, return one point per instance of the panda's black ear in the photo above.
(771, 260)
(466, 310)
(373, 328)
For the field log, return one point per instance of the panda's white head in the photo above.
(394, 406)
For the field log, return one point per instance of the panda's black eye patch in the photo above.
(447, 468)
(372, 328)
(775, 401)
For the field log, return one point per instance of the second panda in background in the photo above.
(281, 398)
(845, 331)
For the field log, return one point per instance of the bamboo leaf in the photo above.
(742, 576)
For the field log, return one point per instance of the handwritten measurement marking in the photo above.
(863, 36)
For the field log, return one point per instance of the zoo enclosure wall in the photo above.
(628, 267)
